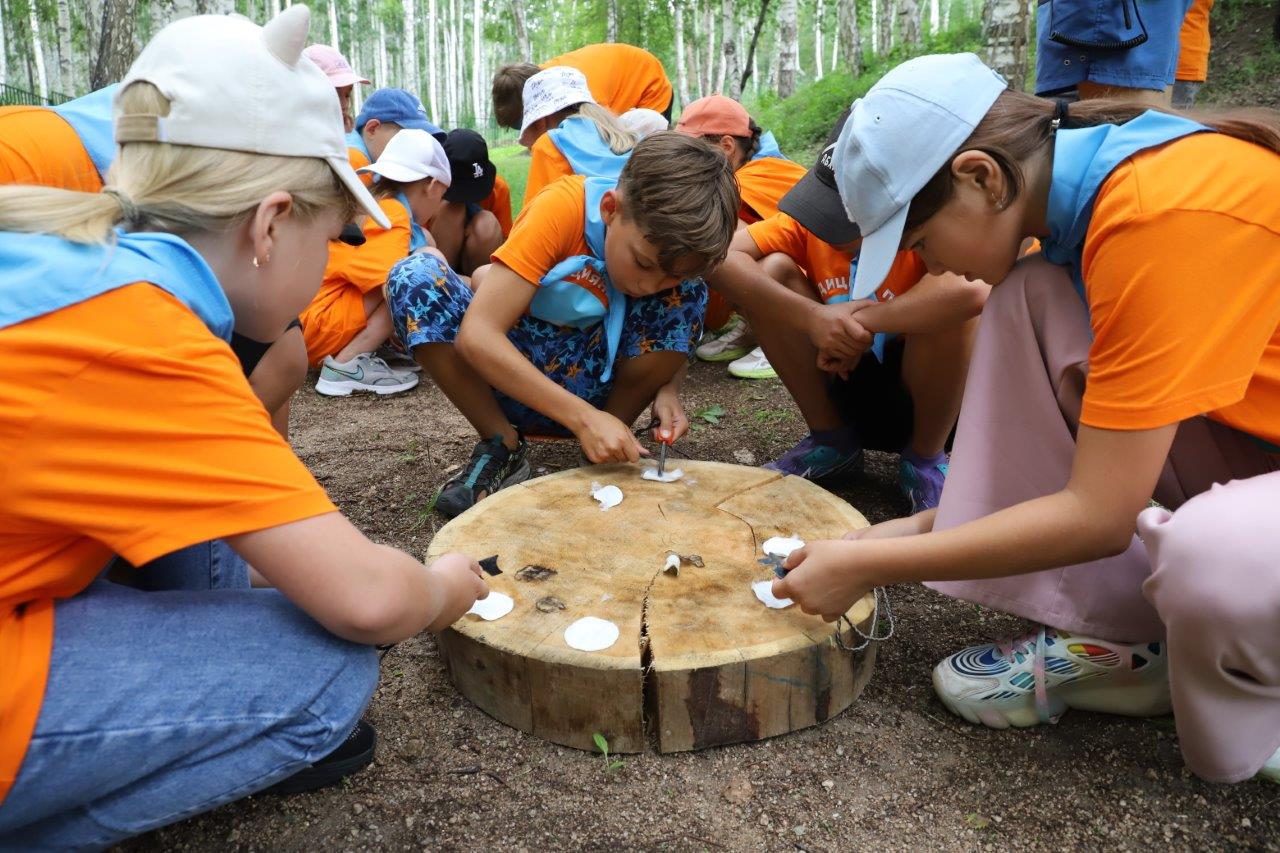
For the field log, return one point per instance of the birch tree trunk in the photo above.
(695, 57)
(1007, 27)
(611, 20)
(333, 27)
(66, 72)
(709, 26)
(789, 43)
(682, 75)
(730, 72)
(522, 32)
(4, 43)
(849, 39)
(935, 16)
(411, 45)
(380, 73)
(433, 59)
(885, 25)
(817, 41)
(477, 63)
(37, 51)
(909, 22)
(875, 26)
(115, 51)
(274, 8)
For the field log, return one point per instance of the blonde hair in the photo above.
(179, 189)
(609, 126)
(681, 193)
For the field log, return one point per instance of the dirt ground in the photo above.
(895, 770)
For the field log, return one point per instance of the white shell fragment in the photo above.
(764, 592)
(668, 476)
(781, 546)
(494, 606)
(608, 496)
(590, 634)
(673, 564)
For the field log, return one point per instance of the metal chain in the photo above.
(879, 595)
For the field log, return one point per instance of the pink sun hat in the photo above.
(334, 65)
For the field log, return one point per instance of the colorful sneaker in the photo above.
(753, 365)
(821, 456)
(365, 372)
(397, 359)
(491, 467)
(1036, 678)
(731, 341)
(921, 480)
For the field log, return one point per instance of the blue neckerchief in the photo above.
(356, 141)
(565, 302)
(769, 148)
(579, 141)
(44, 273)
(417, 236)
(1083, 158)
(881, 339)
(90, 118)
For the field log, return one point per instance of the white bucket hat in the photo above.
(234, 85)
(643, 122)
(548, 92)
(413, 155)
(899, 135)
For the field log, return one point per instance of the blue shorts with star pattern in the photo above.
(427, 301)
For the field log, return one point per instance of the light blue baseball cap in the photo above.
(899, 135)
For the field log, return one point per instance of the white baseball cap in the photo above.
(234, 85)
(643, 122)
(906, 128)
(549, 91)
(412, 155)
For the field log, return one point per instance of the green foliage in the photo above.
(603, 745)
(513, 165)
(711, 414)
(801, 123)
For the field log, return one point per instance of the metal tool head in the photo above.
(774, 562)
(662, 458)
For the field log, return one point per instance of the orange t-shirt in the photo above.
(37, 146)
(498, 203)
(550, 230)
(141, 437)
(1193, 43)
(337, 313)
(1181, 264)
(358, 161)
(546, 164)
(621, 77)
(762, 184)
(826, 267)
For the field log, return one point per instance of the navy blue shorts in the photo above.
(1130, 43)
(427, 301)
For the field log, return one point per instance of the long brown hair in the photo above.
(1018, 125)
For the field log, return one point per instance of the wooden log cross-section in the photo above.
(699, 661)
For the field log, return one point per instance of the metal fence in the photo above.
(11, 96)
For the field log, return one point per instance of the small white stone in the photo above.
(828, 784)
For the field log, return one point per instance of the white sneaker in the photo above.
(1036, 678)
(753, 365)
(732, 340)
(365, 372)
(1271, 770)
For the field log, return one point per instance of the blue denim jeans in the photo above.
(164, 704)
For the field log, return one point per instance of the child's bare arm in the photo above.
(935, 303)
(361, 591)
(482, 341)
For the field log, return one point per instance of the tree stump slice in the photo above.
(699, 660)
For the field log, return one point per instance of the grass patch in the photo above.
(513, 165)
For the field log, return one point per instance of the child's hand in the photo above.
(459, 581)
(823, 578)
(604, 438)
(669, 413)
(835, 332)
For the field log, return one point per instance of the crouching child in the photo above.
(586, 316)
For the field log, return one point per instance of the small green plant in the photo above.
(711, 414)
(603, 746)
(773, 416)
(424, 514)
(977, 821)
(410, 453)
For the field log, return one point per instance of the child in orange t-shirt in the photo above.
(126, 708)
(621, 76)
(348, 319)
(898, 381)
(1136, 357)
(585, 317)
(1193, 55)
(764, 176)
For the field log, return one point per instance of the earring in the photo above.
(256, 265)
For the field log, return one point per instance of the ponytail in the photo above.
(618, 138)
(1018, 125)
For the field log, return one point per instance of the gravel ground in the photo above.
(895, 770)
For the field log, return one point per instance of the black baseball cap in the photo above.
(815, 203)
(473, 172)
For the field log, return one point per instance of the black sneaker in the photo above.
(353, 755)
(491, 468)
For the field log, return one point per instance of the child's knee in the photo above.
(484, 233)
